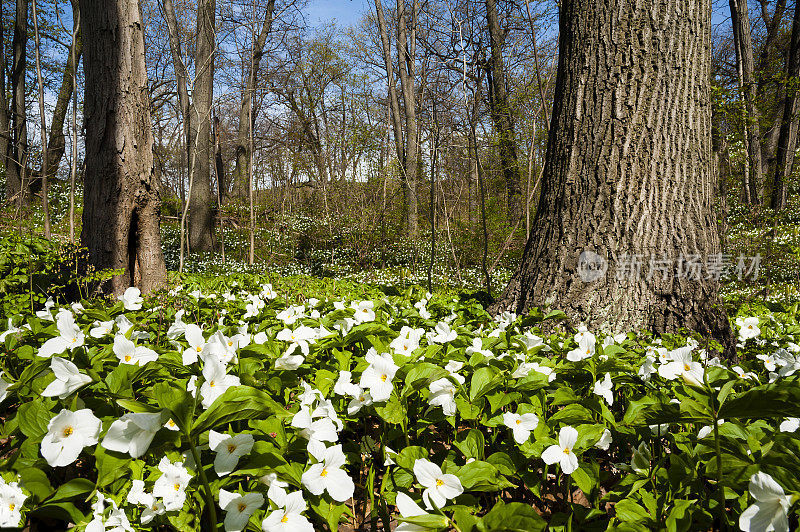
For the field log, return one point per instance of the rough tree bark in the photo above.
(789, 124)
(201, 217)
(740, 20)
(628, 172)
(57, 140)
(406, 54)
(241, 170)
(502, 117)
(15, 173)
(121, 197)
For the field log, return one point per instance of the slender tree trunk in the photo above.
(616, 192)
(73, 174)
(16, 178)
(121, 196)
(56, 143)
(6, 136)
(42, 125)
(201, 219)
(740, 19)
(242, 156)
(502, 116)
(407, 70)
(789, 124)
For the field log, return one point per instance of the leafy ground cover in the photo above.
(260, 403)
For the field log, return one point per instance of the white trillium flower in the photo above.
(101, 328)
(217, 381)
(11, 500)
(47, 312)
(4, 384)
(129, 353)
(113, 521)
(70, 336)
(443, 393)
(378, 375)
(605, 440)
(238, 508)
(171, 485)
(439, 487)
(194, 336)
(742, 374)
(562, 453)
(605, 389)
(585, 349)
(68, 379)
(277, 488)
(769, 511)
(683, 366)
(132, 298)
(408, 508)
(132, 433)
(769, 361)
(67, 434)
(328, 475)
(477, 347)
(229, 450)
(748, 328)
(364, 311)
(708, 429)
(289, 518)
(442, 334)
(790, 424)
(521, 425)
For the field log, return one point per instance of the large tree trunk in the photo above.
(241, 172)
(16, 180)
(121, 195)
(628, 172)
(406, 53)
(740, 20)
(789, 124)
(57, 139)
(201, 218)
(501, 115)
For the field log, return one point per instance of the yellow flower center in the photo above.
(439, 483)
(230, 344)
(199, 349)
(68, 431)
(177, 487)
(686, 367)
(519, 421)
(285, 518)
(384, 377)
(242, 507)
(171, 423)
(74, 340)
(212, 384)
(566, 451)
(12, 506)
(231, 447)
(127, 358)
(324, 473)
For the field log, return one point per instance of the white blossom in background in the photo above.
(443, 393)
(239, 508)
(439, 487)
(441, 334)
(562, 453)
(291, 314)
(68, 433)
(170, 487)
(328, 475)
(11, 500)
(216, 382)
(300, 337)
(229, 449)
(194, 336)
(708, 429)
(102, 521)
(769, 361)
(289, 518)
(132, 298)
(102, 328)
(68, 379)
(129, 353)
(153, 507)
(70, 336)
(586, 346)
(605, 440)
(47, 312)
(742, 374)
(132, 433)
(769, 512)
(364, 311)
(605, 389)
(477, 347)
(277, 488)
(683, 366)
(521, 425)
(408, 508)
(4, 384)
(748, 328)
(378, 375)
(267, 292)
(790, 424)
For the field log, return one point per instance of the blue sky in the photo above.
(345, 12)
